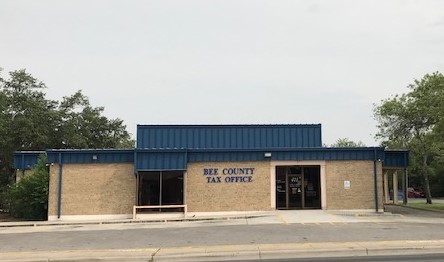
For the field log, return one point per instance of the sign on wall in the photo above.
(229, 175)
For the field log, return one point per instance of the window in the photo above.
(160, 188)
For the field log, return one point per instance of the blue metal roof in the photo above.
(228, 136)
(171, 147)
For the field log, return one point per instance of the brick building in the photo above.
(217, 168)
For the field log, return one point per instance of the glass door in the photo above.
(295, 191)
(312, 187)
(298, 187)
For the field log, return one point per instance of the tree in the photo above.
(416, 121)
(345, 142)
(30, 121)
(83, 126)
(27, 118)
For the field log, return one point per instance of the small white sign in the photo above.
(346, 184)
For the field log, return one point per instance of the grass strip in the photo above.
(433, 207)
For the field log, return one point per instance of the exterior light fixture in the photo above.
(267, 154)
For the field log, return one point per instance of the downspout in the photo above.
(185, 184)
(406, 180)
(136, 200)
(375, 172)
(59, 203)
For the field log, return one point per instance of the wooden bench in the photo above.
(159, 207)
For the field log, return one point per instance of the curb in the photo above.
(238, 252)
(173, 219)
(128, 221)
(300, 250)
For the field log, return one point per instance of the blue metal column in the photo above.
(23, 166)
(375, 172)
(406, 187)
(406, 180)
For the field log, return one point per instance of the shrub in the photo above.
(28, 198)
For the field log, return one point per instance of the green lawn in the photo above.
(436, 206)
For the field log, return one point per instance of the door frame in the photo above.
(160, 174)
(323, 179)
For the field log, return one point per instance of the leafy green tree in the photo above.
(30, 121)
(27, 118)
(83, 126)
(345, 142)
(28, 198)
(416, 121)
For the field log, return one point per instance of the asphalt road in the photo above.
(287, 234)
(416, 258)
(135, 236)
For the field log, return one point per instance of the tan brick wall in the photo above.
(361, 193)
(210, 197)
(93, 189)
(53, 190)
(102, 189)
(19, 174)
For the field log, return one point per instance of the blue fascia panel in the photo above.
(26, 159)
(73, 156)
(396, 158)
(147, 160)
(228, 136)
(177, 159)
(225, 156)
(285, 154)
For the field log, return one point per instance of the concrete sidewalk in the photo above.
(260, 217)
(168, 217)
(236, 252)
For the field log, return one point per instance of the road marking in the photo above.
(281, 218)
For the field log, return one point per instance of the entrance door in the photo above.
(312, 187)
(298, 187)
(295, 191)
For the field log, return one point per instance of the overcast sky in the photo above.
(228, 62)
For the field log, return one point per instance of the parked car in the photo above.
(400, 195)
(414, 193)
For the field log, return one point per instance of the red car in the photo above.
(414, 193)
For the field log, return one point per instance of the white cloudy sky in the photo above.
(228, 62)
